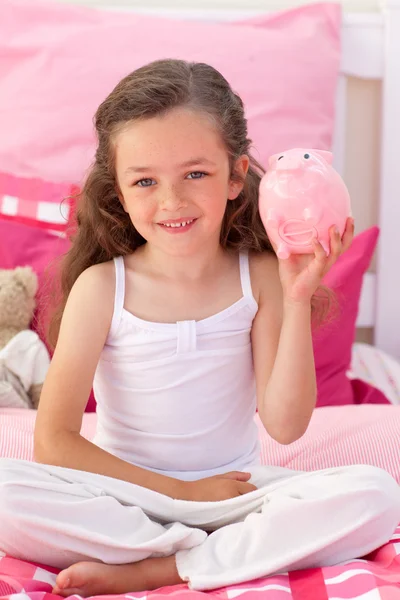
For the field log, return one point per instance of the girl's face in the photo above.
(174, 179)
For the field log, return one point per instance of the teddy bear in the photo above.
(24, 359)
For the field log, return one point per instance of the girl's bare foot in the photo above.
(96, 578)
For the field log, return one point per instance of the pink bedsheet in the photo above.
(336, 435)
(374, 578)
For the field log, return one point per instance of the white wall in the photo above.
(352, 5)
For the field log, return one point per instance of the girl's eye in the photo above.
(145, 182)
(197, 175)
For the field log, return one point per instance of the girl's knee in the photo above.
(8, 502)
(11, 469)
(373, 477)
(382, 489)
(11, 481)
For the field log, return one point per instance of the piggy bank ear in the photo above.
(272, 159)
(325, 154)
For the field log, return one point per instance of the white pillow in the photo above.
(376, 368)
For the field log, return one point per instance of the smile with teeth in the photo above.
(179, 224)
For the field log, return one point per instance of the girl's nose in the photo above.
(171, 199)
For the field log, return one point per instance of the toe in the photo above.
(63, 579)
(71, 581)
(56, 591)
(67, 592)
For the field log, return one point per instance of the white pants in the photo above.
(294, 520)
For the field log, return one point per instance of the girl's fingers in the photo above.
(321, 258)
(319, 251)
(336, 246)
(237, 475)
(348, 234)
(336, 242)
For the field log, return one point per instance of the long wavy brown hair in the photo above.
(102, 229)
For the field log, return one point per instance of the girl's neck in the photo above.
(191, 267)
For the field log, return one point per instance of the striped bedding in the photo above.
(336, 436)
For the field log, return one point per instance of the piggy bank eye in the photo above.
(307, 156)
(280, 157)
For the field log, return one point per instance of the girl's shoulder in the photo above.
(97, 281)
(100, 274)
(90, 303)
(264, 273)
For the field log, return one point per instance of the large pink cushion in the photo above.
(337, 435)
(58, 62)
(24, 244)
(333, 341)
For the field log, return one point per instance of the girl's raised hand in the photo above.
(301, 274)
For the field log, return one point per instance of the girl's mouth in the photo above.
(177, 226)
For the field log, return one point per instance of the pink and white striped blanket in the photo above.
(336, 436)
(376, 577)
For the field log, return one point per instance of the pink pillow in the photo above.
(21, 245)
(364, 393)
(336, 436)
(339, 436)
(333, 341)
(34, 215)
(285, 70)
(36, 202)
(44, 209)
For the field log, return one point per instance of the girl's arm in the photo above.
(57, 440)
(283, 359)
(281, 335)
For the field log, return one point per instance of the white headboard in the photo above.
(370, 50)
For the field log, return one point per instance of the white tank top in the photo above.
(179, 398)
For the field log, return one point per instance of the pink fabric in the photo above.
(33, 232)
(336, 436)
(58, 63)
(365, 393)
(36, 202)
(377, 577)
(333, 341)
(23, 245)
(26, 236)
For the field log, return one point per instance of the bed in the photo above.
(337, 434)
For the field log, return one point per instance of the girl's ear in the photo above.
(240, 168)
(121, 198)
(123, 203)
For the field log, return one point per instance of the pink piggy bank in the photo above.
(301, 197)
